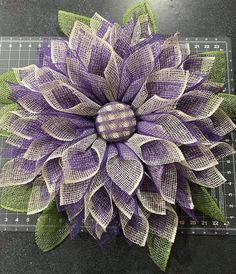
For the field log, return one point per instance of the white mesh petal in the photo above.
(154, 151)
(152, 202)
(210, 178)
(60, 128)
(81, 163)
(40, 198)
(18, 171)
(39, 149)
(176, 129)
(125, 173)
(169, 183)
(73, 193)
(136, 229)
(164, 226)
(198, 157)
(99, 203)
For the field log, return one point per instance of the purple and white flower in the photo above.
(116, 124)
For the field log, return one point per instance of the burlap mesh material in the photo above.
(210, 177)
(102, 182)
(160, 83)
(206, 204)
(15, 140)
(146, 148)
(221, 150)
(100, 26)
(136, 229)
(5, 114)
(51, 228)
(185, 50)
(6, 77)
(125, 173)
(33, 77)
(164, 226)
(112, 76)
(94, 229)
(60, 128)
(176, 129)
(24, 127)
(218, 71)
(140, 98)
(152, 202)
(189, 109)
(159, 250)
(138, 10)
(138, 66)
(184, 195)
(16, 198)
(198, 157)
(40, 198)
(199, 135)
(200, 64)
(39, 149)
(66, 21)
(59, 53)
(33, 104)
(141, 30)
(80, 164)
(74, 192)
(155, 103)
(126, 205)
(229, 104)
(99, 203)
(52, 169)
(55, 90)
(170, 56)
(18, 171)
(168, 183)
(77, 102)
(195, 79)
(219, 123)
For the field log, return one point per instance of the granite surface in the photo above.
(191, 254)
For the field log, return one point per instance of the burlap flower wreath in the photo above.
(115, 127)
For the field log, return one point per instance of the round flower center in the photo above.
(115, 122)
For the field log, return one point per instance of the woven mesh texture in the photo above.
(66, 21)
(16, 198)
(142, 8)
(51, 229)
(218, 71)
(204, 202)
(62, 150)
(8, 76)
(229, 104)
(115, 122)
(159, 250)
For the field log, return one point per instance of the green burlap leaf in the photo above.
(16, 198)
(5, 90)
(139, 9)
(4, 133)
(218, 71)
(204, 202)
(66, 21)
(159, 250)
(229, 104)
(51, 228)
(5, 112)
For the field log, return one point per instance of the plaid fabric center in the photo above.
(115, 122)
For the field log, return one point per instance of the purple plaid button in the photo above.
(115, 122)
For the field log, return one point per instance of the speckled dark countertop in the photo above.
(191, 254)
